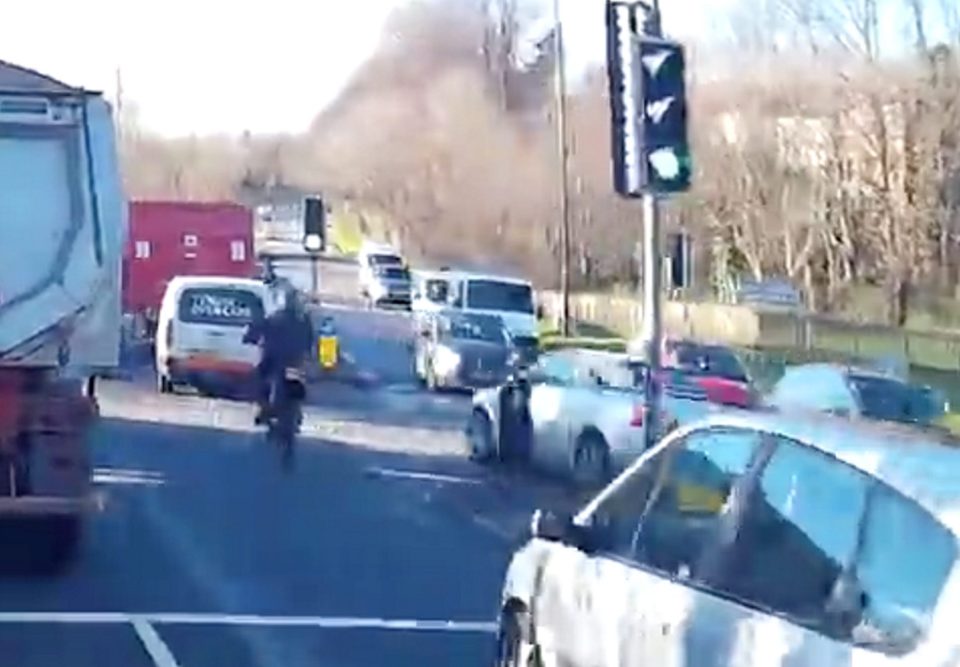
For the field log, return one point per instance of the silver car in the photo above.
(750, 540)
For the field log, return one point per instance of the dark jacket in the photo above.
(286, 337)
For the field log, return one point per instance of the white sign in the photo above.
(213, 306)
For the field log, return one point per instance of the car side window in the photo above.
(902, 582)
(793, 523)
(665, 514)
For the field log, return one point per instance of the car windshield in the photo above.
(393, 272)
(889, 399)
(221, 306)
(708, 360)
(385, 260)
(496, 295)
(487, 329)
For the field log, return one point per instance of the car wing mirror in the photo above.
(552, 526)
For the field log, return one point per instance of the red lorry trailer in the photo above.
(171, 238)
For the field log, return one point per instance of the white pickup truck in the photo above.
(580, 415)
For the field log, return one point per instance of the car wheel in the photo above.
(514, 648)
(591, 462)
(479, 434)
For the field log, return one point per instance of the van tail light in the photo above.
(639, 415)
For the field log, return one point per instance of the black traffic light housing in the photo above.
(666, 148)
(648, 104)
(314, 224)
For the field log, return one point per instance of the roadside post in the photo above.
(650, 151)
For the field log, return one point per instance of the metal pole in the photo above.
(652, 317)
(315, 276)
(560, 93)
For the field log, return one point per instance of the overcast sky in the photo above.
(203, 66)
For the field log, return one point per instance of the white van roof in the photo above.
(179, 282)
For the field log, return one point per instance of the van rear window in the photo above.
(219, 305)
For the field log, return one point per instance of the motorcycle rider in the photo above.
(286, 340)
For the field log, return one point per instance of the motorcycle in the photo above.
(285, 413)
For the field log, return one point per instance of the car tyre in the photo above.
(479, 435)
(591, 462)
(514, 648)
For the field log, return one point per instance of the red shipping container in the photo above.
(168, 239)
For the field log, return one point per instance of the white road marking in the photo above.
(154, 644)
(426, 476)
(127, 476)
(144, 622)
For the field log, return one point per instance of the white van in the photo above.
(510, 298)
(200, 332)
(371, 260)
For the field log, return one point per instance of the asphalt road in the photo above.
(383, 547)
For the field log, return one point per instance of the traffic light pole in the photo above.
(652, 330)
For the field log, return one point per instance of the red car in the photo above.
(715, 368)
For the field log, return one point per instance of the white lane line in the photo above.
(144, 622)
(108, 617)
(114, 478)
(426, 476)
(330, 622)
(155, 646)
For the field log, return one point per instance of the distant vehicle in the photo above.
(715, 368)
(509, 298)
(839, 539)
(176, 238)
(856, 392)
(62, 224)
(578, 414)
(431, 291)
(201, 330)
(389, 284)
(371, 260)
(462, 350)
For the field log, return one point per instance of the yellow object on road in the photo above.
(329, 351)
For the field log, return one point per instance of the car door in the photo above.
(552, 378)
(621, 600)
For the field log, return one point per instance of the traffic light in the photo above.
(624, 92)
(648, 105)
(314, 224)
(666, 149)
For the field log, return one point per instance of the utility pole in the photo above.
(121, 119)
(560, 93)
(652, 332)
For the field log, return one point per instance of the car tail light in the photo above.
(639, 415)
